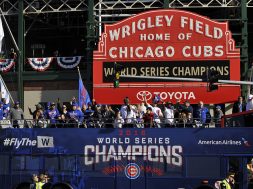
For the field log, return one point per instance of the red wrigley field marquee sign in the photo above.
(166, 43)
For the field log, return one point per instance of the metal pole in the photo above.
(244, 44)
(90, 44)
(236, 82)
(100, 19)
(188, 79)
(79, 73)
(21, 55)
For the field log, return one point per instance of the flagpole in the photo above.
(79, 73)
(79, 85)
(6, 89)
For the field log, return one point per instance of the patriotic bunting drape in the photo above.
(68, 62)
(6, 64)
(40, 64)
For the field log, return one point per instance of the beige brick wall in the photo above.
(31, 98)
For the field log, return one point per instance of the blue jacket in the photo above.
(76, 115)
(201, 114)
(52, 115)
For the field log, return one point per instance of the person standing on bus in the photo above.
(202, 115)
(217, 116)
(158, 114)
(127, 112)
(17, 116)
(148, 118)
(52, 114)
(76, 116)
(239, 105)
(168, 114)
(249, 105)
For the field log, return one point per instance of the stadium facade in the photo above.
(53, 37)
(72, 28)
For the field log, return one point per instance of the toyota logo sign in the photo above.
(140, 95)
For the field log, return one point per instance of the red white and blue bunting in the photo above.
(6, 64)
(68, 62)
(40, 64)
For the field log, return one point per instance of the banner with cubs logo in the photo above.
(146, 45)
(99, 157)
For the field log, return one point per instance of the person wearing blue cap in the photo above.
(52, 114)
(75, 116)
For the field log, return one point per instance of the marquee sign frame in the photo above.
(166, 43)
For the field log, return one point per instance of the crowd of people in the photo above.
(144, 115)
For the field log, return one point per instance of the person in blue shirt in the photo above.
(75, 116)
(52, 114)
(202, 114)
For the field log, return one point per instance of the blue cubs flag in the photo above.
(83, 95)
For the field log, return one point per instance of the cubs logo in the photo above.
(132, 171)
(140, 95)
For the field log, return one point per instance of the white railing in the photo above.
(107, 123)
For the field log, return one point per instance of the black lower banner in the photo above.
(186, 69)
